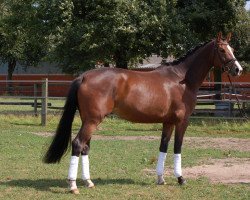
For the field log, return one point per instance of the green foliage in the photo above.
(204, 19)
(111, 31)
(78, 34)
(20, 33)
(241, 39)
(122, 32)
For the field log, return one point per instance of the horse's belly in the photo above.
(148, 114)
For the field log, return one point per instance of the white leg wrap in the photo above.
(85, 167)
(177, 165)
(161, 163)
(73, 168)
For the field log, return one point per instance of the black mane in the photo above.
(189, 53)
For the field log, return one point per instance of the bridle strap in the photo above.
(226, 66)
(241, 108)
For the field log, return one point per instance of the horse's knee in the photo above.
(76, 147)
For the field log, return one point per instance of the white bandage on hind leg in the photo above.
(177, 165)
(85, 167)
(73, 168)
(161, 163)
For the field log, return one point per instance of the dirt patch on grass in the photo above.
(218, 143)
(230, 170)
(191, 142)
(127, 138)
(43, 134)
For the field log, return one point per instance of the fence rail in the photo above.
(38, 94)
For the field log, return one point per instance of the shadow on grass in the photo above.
(49, 184)
(25, 124)
(121, 181)
(40, 184)
(143, 130)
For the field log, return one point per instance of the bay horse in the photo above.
(165, 95)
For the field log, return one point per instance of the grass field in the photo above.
(114, 126)
(117, 167)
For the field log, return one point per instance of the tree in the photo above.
(111, 31)
(123, 32)
(241, 40)
(21, 34)
(78, 34)
(205, 18)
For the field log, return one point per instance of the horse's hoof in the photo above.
(181, 181)
(88, 183)
(74, 191)
(72, 187)
(161, 181)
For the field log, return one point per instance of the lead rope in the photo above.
(241, 109)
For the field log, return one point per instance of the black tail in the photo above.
(62, 137)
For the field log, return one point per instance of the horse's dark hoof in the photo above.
(181, 181)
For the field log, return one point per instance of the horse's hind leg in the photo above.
(165, 137)
(179, 134)
(85, 166)
(81, 145)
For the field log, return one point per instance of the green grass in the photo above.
(115, 126)
(28, 109)
(117, 167)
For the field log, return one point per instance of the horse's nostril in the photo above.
(237, 70)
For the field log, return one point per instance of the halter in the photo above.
(226, 66)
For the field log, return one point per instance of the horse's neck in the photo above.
(197, 66)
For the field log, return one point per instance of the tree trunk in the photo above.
(11, 68)
(120, 60)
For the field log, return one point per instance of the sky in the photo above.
(247, 5)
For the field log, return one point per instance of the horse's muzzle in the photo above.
(234, 69)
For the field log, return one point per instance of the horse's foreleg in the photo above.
(165, 137)
(81, 145)
(179, 134)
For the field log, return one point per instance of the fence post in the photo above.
(35, 99)
(230, 101)
(44, 101)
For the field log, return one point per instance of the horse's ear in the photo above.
(229, 35)
(219, 36)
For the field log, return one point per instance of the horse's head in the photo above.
(224, 57)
